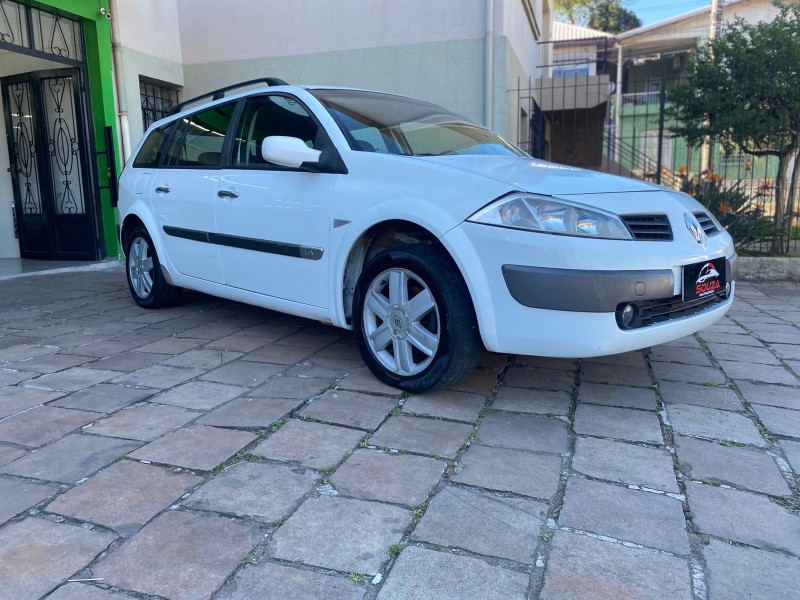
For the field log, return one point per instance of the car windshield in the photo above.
(388, 124)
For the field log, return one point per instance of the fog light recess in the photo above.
(627, 315)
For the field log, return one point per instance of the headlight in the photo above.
(540, 213)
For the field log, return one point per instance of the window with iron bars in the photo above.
(158, 99)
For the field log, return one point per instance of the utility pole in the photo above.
(707, 150)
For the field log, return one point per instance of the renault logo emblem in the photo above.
(693, 225)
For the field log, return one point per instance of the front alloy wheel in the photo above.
(140, 267)
(414, 322)
(401, 321)
(146, 282)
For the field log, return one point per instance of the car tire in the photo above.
(414, 322)
(146, 282)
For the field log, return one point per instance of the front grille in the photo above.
(649, 227)
(707, 223)
(666, 309)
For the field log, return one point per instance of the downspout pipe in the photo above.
(488, 67)
(618, 102)
(119, 83)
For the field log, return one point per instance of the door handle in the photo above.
(162, 190)
(227, 194)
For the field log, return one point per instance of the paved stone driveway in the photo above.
(219, 450)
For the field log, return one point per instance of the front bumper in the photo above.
(548, 307)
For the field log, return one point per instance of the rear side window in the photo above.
(264, 116)
(152, 149)
(199, 139)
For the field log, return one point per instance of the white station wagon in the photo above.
(428, 235)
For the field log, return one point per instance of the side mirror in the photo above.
(288, 151)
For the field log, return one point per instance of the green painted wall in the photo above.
(97, 40)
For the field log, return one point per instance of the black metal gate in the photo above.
(48, 140)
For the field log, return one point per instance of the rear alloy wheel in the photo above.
(146, 282)
(415, 327)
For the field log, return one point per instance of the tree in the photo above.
(610, 16)
(606, 15)
(743, 91)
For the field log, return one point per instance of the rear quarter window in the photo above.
(149, 155)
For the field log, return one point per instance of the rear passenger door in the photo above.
(273, 222)
(183, 192)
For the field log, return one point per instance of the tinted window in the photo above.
(150, 153)
(264, 116)
(200, 137)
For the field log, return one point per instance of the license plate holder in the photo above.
(703, 279)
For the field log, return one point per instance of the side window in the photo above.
(200, 137)
(264, 116)
(150, 153)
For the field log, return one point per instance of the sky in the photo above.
(650, 11)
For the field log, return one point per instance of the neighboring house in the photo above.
(654, 59)
(69, 90)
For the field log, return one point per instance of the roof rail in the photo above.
(220, 93)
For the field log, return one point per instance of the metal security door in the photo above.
(47, 137)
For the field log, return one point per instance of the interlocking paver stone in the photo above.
(704, 422)
(9, 454)
(20, 495)
(757, 372)
(170, 345)
(280, 355)
(540, 379)
(644, 518)
(14, 399)
(402, 479)
(200, 358)
(789, 351)
(74, 379)
(300, 388)
(425, 574)
(179, 555)
(266, 491)
(620, 423)
(341, 533)
(686, 356)
(723, 398)
(630, 359)
(157, 376)
(334, 368)
(350, 408)
(536, 402)
(625, 463)
(43, 424)
(268, 580)
(36, 555)
(523, 432)
(477, 382)
(103, 398)
(792, 451)
(250, 412)
(618, 374)
(49, 363)
(731, 338)
(71, 458)
(741, 467)
(773, 395)
(723, 352)
(446, 404)
(197, 447)
(311, 444)
(425, 436)
(144, 422)
(583, 568)
(124, 496)
(362, 380)
(22, 351)
(741, 572)
(483, 522)
(11, 377)
(82, 591)
(199, 395)
(508, 470)
(617, 395)
(241, 372)
(743, 517)
(687, 373)
(779, 420)
(126, 362)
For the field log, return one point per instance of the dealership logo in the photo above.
(707, 281)
(693, 225)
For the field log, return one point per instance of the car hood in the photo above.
(542, 177)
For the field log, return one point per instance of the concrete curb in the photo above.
(111, 263)
(769, 268)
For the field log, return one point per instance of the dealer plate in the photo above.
(703, 279)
